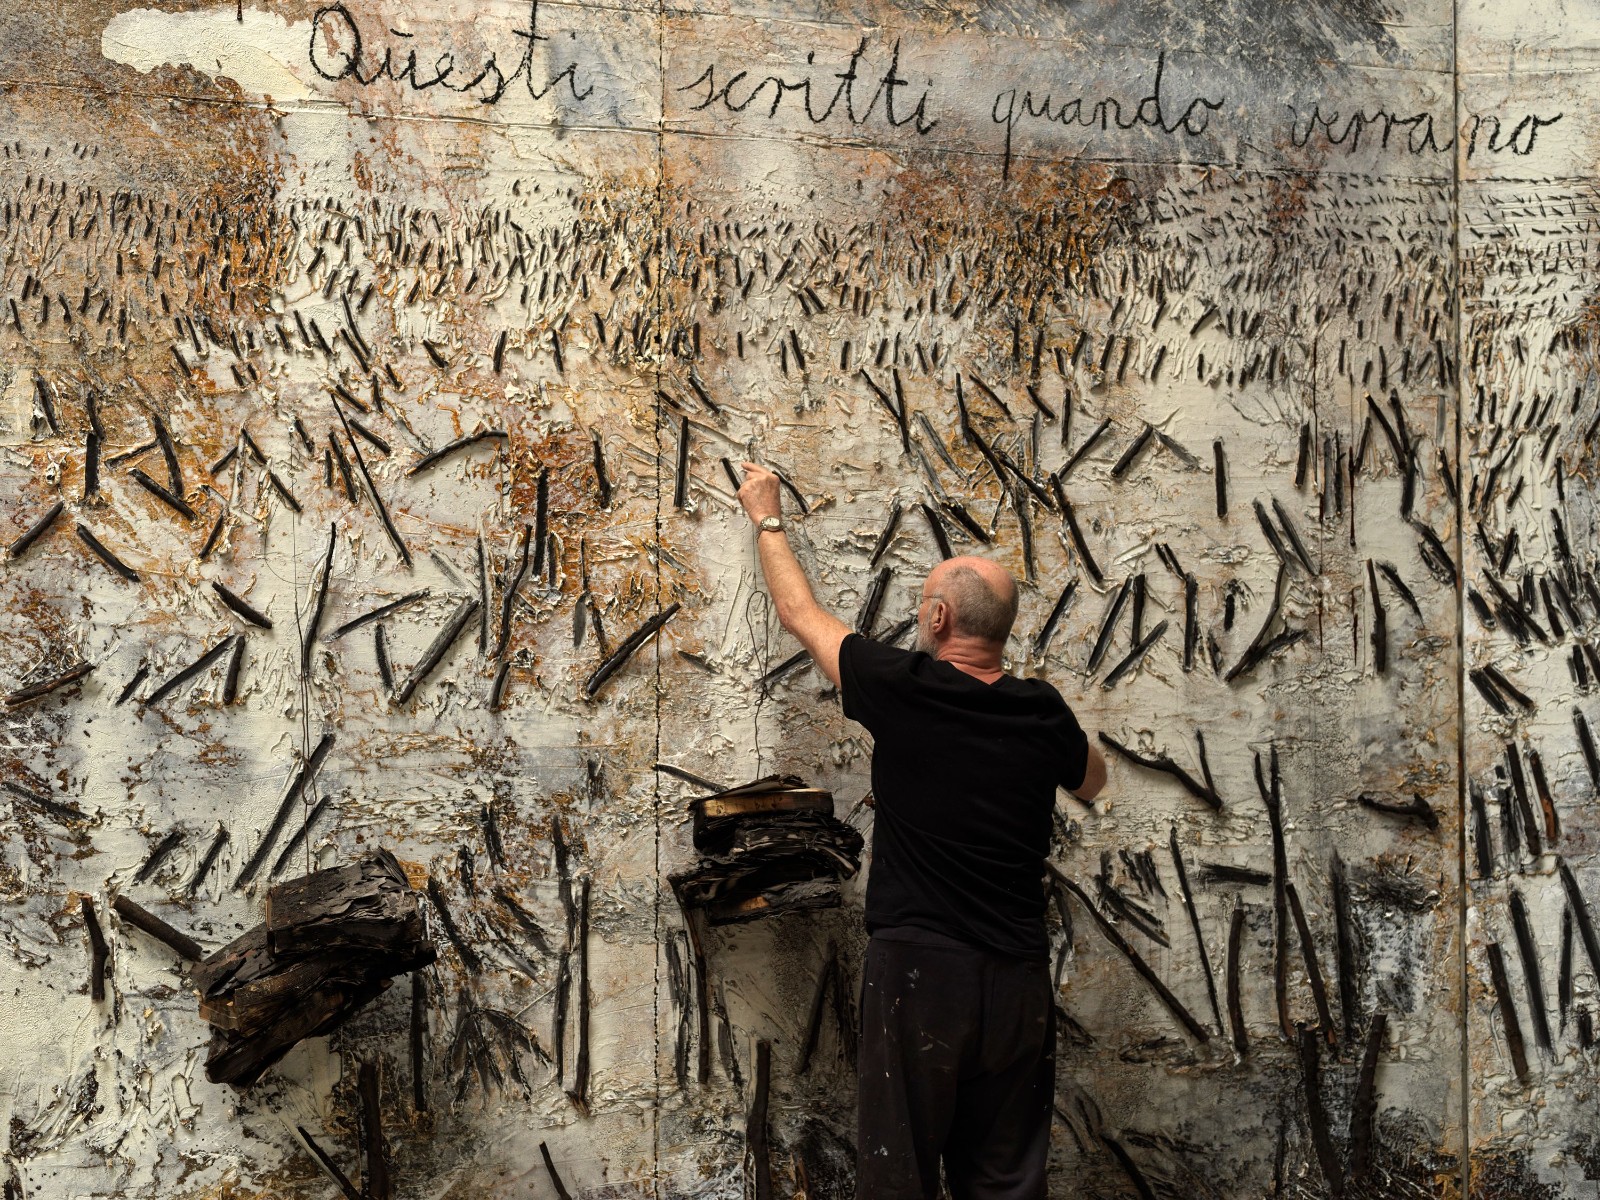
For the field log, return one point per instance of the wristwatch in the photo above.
(770, 524)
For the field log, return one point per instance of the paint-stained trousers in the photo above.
(957, 1061)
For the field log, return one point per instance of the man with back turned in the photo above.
(957, 1056)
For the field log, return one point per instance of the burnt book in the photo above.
(330, 943)
(769, 847)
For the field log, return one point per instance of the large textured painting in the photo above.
(373, 380)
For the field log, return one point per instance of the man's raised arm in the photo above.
(819, 631)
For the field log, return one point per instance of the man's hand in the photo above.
(759, 493)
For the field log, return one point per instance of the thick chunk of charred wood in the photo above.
(329, 944)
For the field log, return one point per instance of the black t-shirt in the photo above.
(964, 775)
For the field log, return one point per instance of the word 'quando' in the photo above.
(339, 51)
(1104, 114)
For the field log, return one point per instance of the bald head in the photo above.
(981, 595)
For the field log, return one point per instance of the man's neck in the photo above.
(979, 660)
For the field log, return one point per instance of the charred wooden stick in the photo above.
(1047, 630)
(469, 957)
(1220, 471)
(1141, 1185)
(887, 535)
(380, 649)
(1293, 534)
(377, 1185)
(1508, 1011)
(509, 594)
(455, 447)
(300, 834)
(173, 501)
(602, 482)
(419, 1033)
(169, 454)
(1272, 799)
(189, 672)
(1079, 542)
(1581, 917)
(1344, 937)
(939, 536)
(555, 1177)
(1364, 1105)
(343, 465)
(377, 614)
(1317, 1115)
(1241, 1041)
(340, 1180)
(314, 622)
(1088, 445)
(755, 1131)
(211, 538)
(558, 1021)
(1380, 624)
(1264, 644)
(699, 781)
(1194, 923)
(436, 651)
(1114, 936)
(35, 531)
(541, 519)
(241, 606)
(1418, 808)
(1586, 743)
(1132, 452)
(1528, 951)
(868, 616)
(825, 979)
(372, 488)
(158, 855)
(230, 678)
(1308, 952)
(1108, 626)
(524, 920)
(578, 1093)
(626, 650)
(97, 950)
(207, 861)
(1164, 764)
(66, 814)
(291, 797)
(38, 690)
(1191, 620)
(143, 919)
(1140, 649)
(1552, 821)
(1519, 790)
(105, 555)
(1564, 977)
(680, 485)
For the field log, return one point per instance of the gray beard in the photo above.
(925, 643)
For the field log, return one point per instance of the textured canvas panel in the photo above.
(1255, 343)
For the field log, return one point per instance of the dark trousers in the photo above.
(957, 1061)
